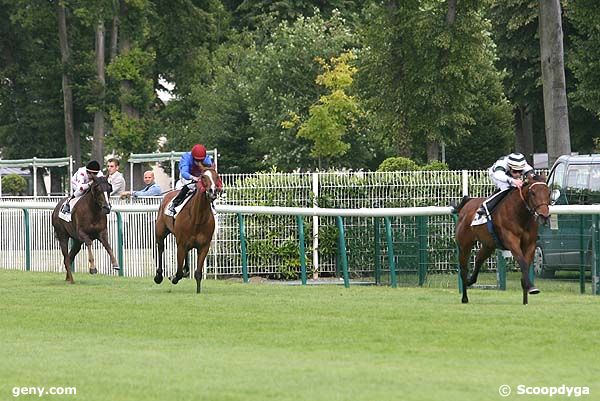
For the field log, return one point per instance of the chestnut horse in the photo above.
(193, 226)
(88, 222)
(515, 225)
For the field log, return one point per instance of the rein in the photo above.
(534, 210)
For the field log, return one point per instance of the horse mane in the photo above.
(463, 202)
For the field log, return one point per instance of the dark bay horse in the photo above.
(88, 222)
(515, 222)
(193, 226)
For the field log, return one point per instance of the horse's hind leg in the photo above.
(160, 233)
(75, 248)
(202, 252)
(64, 248)
(481, 257)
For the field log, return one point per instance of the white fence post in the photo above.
(315, 188)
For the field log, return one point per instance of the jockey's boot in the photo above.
(179, 198)
(66, 208)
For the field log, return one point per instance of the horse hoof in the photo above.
(158, 279)
(465, 301)
(93, 271)
(116, 268)
(533, 291)
(174, 279)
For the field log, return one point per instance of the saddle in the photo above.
(168, 208)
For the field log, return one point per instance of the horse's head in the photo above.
(210, 183)
(537, 197)
(101, 190)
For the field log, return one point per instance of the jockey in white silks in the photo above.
(81, 181)
(506, 173)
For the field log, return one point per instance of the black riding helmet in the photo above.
(93, 167)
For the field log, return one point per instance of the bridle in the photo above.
(533, 211)
(215, 187)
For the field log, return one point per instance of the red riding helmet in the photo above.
(199, 152)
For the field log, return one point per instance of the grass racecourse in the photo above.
(129, 339)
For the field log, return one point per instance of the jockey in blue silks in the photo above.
(191, 165)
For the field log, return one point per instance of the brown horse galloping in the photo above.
(515, 225)
(88, 222)
(193, 226)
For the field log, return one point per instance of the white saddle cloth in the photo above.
(67, 216)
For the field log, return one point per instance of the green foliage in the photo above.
(14, 184)
(435, 166)
(280, 82)
(31, 119)
(584, 61)
(432, 76)
(132, 135)
(329, 118)
(398, 164)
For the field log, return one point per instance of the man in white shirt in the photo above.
(115, 178)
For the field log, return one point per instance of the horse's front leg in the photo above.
(202, 252)
(106, 245)
(160, 250)
(88, 243)
(526, 285)
(181, 254)
(463, 261)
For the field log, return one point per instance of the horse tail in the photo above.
(463, 202)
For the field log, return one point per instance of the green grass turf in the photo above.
(129, 339)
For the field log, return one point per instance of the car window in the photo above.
(556, 178)
(595, 178)
(578, 176)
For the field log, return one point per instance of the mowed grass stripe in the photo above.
(129, 339)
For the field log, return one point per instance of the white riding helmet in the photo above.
(516, 162)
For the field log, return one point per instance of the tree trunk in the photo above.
(72, 140)
(451, 14)
(556, 116)
(41, 185)
(127, 109)
(524, 132)
(433, 151)
(98, 144)
(114, 36)
(56, 181)
(433, 145)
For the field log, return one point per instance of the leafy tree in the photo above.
(329, 118)
(280, 83)
(437, 73)
(583, 60)
(398, 164)
(14, 184)
(31, 119)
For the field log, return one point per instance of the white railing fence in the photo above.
(272, 239)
